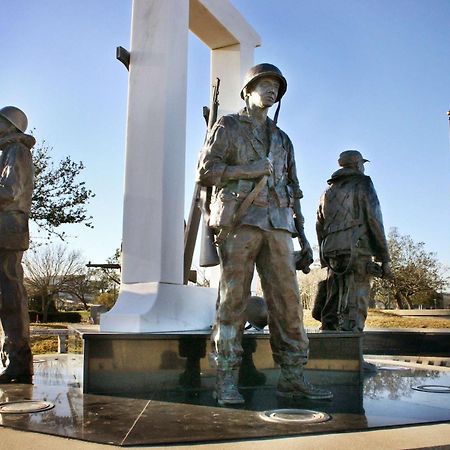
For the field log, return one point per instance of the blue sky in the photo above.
(367, 75)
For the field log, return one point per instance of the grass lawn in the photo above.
(49, 344)
(375, 319)
(378, 319)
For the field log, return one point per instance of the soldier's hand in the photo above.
(261, 167)
(306, 248)
(387, 270)
(306, 255)
(255, 169)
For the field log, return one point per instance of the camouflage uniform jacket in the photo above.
(234, 141)
(349, 216)
(16, 188)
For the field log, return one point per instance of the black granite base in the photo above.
(417, 342)
(135, 364)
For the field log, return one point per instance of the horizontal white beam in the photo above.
(219, 24)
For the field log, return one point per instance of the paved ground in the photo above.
(431, 436)
(179, 417)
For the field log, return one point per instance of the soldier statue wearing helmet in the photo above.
(351, 234)
(16, 186)
(255, 212)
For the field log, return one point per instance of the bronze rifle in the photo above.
(200, 205)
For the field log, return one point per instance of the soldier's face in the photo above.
(264, 92)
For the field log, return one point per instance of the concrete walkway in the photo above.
(429, 436)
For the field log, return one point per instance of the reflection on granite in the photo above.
(114, 362)
(188, 413)
(389, 397)
(57, 379)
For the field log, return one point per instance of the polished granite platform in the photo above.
(187, 414)
(114, 362)
(407, 341)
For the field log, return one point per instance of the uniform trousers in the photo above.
(348, 294)
(272, 253)
(15, 352)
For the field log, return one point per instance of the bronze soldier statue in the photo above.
(16, 186)
(351, 234)
(255, 212)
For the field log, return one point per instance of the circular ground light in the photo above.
(294, 416)
(25, 407)
(435, 388)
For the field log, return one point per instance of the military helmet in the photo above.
(350, 157)
(15, 116)
(265, 70)
(256, 312)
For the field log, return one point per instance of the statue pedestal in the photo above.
(160, 307)
(144, 363)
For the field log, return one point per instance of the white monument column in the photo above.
(152, 297)
(230, 64)
(154, 169)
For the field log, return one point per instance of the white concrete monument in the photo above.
(152, 295)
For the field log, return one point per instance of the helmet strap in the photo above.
(275, 117)
(247, 104)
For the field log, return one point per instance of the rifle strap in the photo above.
(243, 208)
(246, 203)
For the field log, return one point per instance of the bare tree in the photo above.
(308, 285)
(50, 270)
(83, 286)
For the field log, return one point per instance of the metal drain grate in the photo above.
(25, 407)
(294, 416)
(435, 388)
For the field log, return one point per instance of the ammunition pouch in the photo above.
(223, 208)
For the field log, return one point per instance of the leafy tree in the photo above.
(417, 275)
(108, 279)
(58, 197)
(107, 299)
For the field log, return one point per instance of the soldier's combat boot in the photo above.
(6, 378)
(19, 361)
(226, 390)
(292, 384)
(248, 373)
